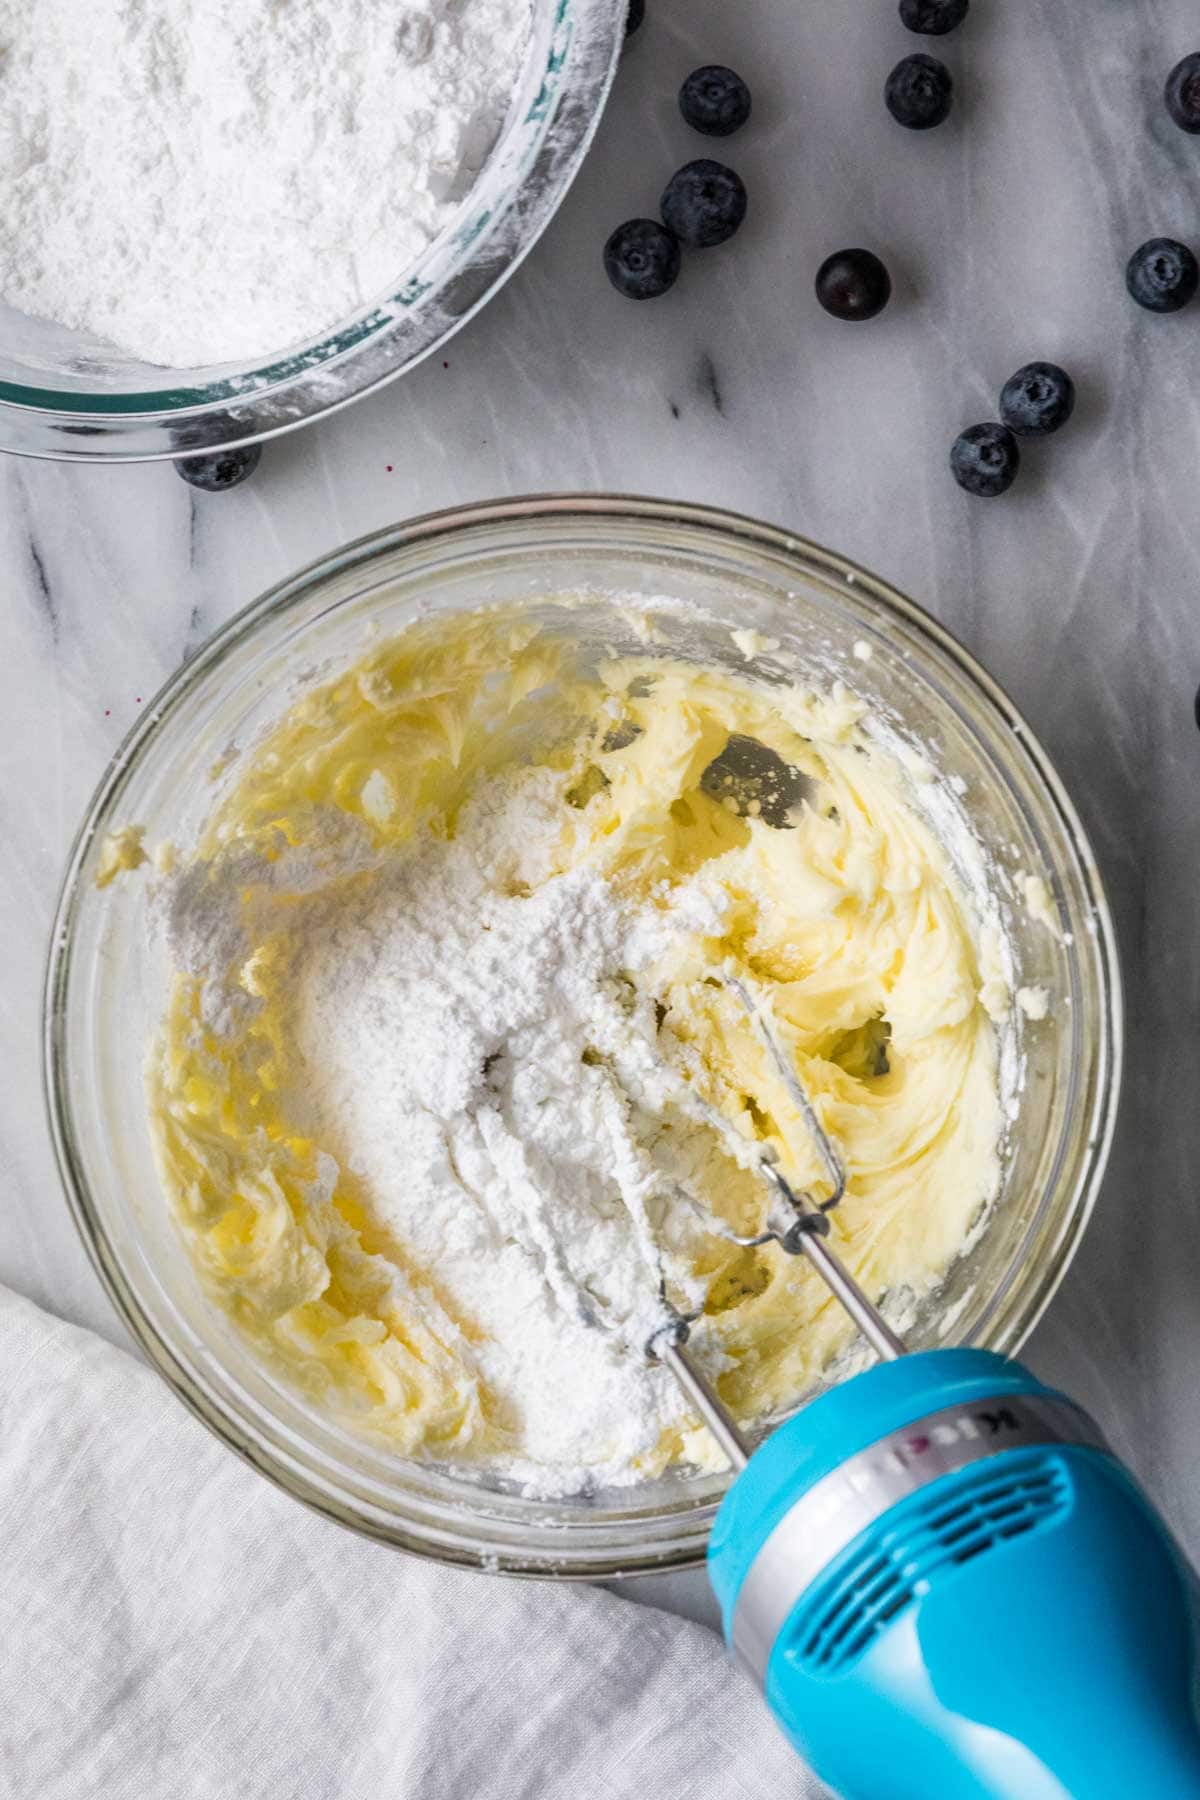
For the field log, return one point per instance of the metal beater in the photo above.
(800, 1226)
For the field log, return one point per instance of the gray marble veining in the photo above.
(1006, 231)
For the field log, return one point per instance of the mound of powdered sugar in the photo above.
(473, 1049)
(201, 181)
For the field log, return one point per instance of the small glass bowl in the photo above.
(107, 975)
(68, 397)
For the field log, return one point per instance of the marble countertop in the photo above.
(1006, 231)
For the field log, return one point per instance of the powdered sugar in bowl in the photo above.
(614, 574)
(354, 223)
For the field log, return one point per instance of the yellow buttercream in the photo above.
(848, 917)
(121, 851)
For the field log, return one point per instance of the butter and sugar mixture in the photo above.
(452, 1084)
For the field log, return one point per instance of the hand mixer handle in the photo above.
(947, 1585)
(943, 1579)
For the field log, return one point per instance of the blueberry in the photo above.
(853, 284)
(222, 470)
(919, 92)
(1037, 399)
(641, 259)
(634, 17)
(985, 460)
(933, 18)
(1162, 275)
(1183, 93)
(704, 203)
(715, 101)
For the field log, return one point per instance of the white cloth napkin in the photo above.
(175, 1629)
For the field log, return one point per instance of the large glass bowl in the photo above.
(107, 975)
(63, 395)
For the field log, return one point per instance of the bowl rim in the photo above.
(459, 523)
(480, 247)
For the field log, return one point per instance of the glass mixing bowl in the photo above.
(107, 975)
(63, 395)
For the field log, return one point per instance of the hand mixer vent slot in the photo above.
(922, 1541)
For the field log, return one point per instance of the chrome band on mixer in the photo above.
(844, 1503)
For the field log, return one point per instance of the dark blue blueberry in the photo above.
(1037, 399)
(1183, 93)
(853, 284)
(641, 259)
(933, 18)
(919, 92)
(1162, 275)
(715, 101)
(984, 459)
(634, 16)
(222, 470)
(704, 203)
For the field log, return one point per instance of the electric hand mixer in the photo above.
(945, 1583)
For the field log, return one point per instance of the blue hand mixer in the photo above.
(945, 1583)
